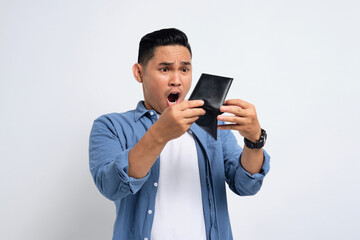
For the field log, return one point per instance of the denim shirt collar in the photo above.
(141, 111)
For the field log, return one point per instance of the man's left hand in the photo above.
(244, 119)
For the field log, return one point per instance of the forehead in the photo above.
(171, 53)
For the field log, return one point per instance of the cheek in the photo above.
(148, 83)
(152, 90)
(187, 85)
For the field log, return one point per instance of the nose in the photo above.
(175, 80)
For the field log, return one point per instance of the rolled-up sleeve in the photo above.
(240, 181)
(109, 161)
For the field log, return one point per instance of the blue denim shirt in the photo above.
(113, 136)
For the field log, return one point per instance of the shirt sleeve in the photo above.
(108, 159)
(240, 181)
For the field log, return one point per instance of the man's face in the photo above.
(166, 78)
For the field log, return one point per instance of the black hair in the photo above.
(162, 37)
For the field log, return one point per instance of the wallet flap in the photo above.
(212, 90)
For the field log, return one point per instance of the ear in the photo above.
(138, 72)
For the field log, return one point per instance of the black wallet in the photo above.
(212, 90)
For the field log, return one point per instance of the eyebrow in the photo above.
(171, 63)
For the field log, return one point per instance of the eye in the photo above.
(165, 69)
(185, 70)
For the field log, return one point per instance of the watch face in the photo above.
(263, 135)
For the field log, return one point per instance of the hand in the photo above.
(177, 119)
(244, 119)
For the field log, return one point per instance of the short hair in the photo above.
(162, 37)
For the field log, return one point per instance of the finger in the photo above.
(238, 111)
(237, 102)
(193, 112)
(191, 120)
(232, 119)
(186, 104)
(229, 127)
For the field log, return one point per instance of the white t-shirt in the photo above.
(178, 207)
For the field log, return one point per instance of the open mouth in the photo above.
(173, 97)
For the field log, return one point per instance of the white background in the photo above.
(64, 63)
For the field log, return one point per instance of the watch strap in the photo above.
(258, 144)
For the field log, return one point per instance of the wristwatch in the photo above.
(259, 144)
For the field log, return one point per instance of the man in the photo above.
(165, 174)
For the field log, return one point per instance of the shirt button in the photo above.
(149, 212)
(146, 239)
(155, 184)
(151, 113)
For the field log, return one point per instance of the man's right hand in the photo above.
(173, 122)
(177, 119)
